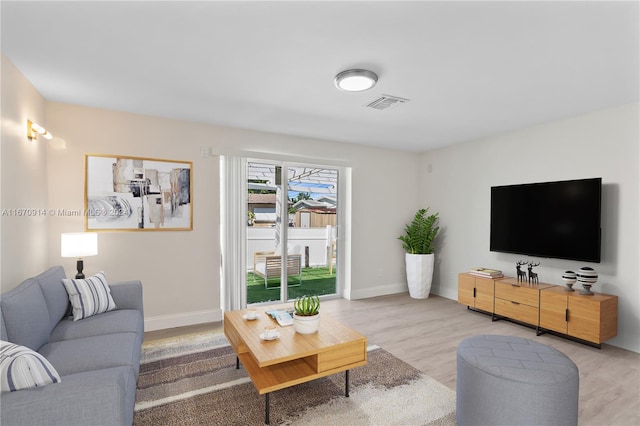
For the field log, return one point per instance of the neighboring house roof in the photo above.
(314, 205)
(262, 198)
(329, 200)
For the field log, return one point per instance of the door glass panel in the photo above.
(309, 211)
(313, 211)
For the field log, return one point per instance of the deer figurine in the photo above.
(533, 276)
(522, 275)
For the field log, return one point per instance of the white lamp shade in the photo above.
(79, 244)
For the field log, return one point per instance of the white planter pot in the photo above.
(306, 325)
(419, 274)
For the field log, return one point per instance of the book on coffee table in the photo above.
(284, 318)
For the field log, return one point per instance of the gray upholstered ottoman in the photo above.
(507, 380)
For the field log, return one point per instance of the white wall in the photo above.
(180, 270)
(23, 249)
(456, 182)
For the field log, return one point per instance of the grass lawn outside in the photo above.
(315, 281)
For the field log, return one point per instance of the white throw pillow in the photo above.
(22, 368)
(89, 296)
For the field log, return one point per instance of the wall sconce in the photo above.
(34, 129)
(79, 244)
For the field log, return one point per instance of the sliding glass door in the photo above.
(292, 233)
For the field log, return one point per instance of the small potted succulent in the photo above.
(306, 315)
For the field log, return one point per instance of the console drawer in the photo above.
(520, 294)
(517, 311)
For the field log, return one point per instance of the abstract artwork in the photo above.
(137, 194)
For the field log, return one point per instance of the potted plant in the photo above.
(418, 242)
(306, 315)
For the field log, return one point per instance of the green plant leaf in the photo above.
(307, 305)
(420, 234)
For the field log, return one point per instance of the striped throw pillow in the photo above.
(22, 368)
(89, 296)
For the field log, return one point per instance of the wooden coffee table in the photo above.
(292, 358)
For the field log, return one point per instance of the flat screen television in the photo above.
(549, 219)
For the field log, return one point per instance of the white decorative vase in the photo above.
(306, 324)
(419, 274)
(587, 277)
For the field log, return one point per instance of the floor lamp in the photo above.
(79, 245)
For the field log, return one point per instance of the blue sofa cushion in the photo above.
(94, 353)
(24, 312)
(120, 321)
(100, 397)
(90, 296)
(23, 368)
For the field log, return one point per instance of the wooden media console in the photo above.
(546, 307)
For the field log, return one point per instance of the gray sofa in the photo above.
(97, 358)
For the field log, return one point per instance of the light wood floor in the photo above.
(425, 333)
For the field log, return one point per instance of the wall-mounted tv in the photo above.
(548, 219)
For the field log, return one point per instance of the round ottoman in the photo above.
(508, 380)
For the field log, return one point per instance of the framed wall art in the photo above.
(137, 194)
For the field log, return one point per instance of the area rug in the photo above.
(193, 380)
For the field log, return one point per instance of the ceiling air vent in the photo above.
(386, 101)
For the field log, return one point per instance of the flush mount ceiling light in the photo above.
(355, 80)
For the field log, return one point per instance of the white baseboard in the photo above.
(382, 290)
(394, 289)
(181, 320)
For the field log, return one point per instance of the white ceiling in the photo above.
(470, 69)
